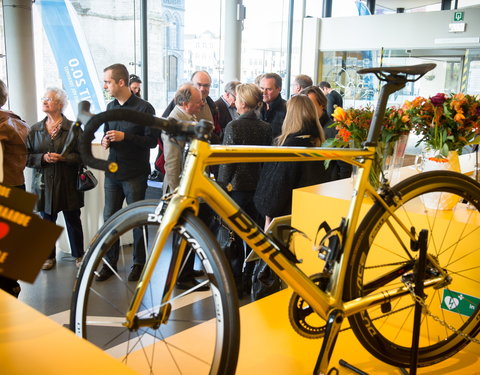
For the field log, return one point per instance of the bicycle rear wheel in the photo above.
(201, 335)
(382, 249)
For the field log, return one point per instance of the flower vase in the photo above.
(375, 176)
(393, 159)
(430, 162)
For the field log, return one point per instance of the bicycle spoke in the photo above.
(449, 319)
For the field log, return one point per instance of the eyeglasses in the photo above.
(46, 99)
(206, 85)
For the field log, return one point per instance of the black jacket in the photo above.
(224, 116)
(275, 115)
(337, 169)
(334, 99)
(54, 184)
(133, 153)
(246, 130)
(273, 196)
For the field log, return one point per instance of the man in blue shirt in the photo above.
(129, 145)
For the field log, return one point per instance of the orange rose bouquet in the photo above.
(445, 122)
(352, 125)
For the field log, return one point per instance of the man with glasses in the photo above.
(226, 104)
(202, 81)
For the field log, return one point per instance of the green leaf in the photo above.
(444, 150)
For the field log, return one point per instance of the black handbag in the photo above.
(233, 248)
(264, 281)
(85, 180)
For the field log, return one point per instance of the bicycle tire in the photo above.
(98, 307)
(388, 335)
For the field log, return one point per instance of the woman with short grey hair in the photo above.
(55, 171)
(60, 95)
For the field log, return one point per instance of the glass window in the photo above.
(3, 60)
(111, 29)
(457, 71)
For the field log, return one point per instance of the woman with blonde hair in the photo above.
(301, 128)
(241, 179)
(301, 117)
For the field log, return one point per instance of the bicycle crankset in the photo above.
(302, 317)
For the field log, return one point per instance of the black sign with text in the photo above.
(25, 239)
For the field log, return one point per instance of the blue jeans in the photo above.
(116, 192)
(74, 230)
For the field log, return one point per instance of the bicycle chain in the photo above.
(425, 309)
(436, 318)
(386, 265)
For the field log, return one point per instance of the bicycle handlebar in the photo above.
(187, 129)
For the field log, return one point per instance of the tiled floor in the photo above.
(51, 292)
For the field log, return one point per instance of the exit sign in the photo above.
(458, 16)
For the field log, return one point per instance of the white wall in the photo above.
(398, 31)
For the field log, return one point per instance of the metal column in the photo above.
(327, 9)
(234, 16)
(17, 17)
(144, 47)
(289, 49)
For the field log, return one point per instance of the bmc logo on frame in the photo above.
(459, 303)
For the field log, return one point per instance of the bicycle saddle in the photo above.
(385, 71)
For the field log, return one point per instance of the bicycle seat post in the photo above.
(379, 114)
(396, 78)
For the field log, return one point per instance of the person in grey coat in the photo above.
(55, 173)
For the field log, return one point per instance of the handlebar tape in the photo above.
(93, 122)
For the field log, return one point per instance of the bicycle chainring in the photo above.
(302, 318)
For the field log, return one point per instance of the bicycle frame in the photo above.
(196, 184)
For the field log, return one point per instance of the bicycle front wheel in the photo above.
(382, 259)
(201, 334)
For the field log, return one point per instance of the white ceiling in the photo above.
(407, 4)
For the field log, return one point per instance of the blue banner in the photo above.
(72, 55)
(362, 9)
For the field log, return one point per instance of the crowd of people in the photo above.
(245, 114)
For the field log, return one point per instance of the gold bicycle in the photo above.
(401, 275)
